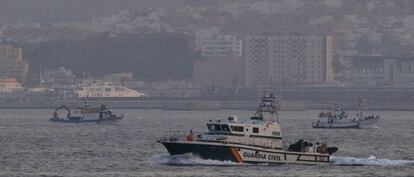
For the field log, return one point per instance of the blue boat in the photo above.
(85, 114)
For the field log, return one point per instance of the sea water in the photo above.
(31, 145)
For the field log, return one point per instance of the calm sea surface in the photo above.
(30, 145)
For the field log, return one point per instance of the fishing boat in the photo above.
(341, 119)
(255, 140)
(85, 114)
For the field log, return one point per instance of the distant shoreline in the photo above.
(209, 105)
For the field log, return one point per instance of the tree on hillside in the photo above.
(151, 57)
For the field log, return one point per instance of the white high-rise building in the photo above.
(275, 60)
(221, 46)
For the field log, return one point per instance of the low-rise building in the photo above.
(8, 85)
(127, 21)
(379, 70)
(119, 78)
(60, 76)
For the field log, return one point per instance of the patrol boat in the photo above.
(256, 140)
(85, 114)
(340, 119)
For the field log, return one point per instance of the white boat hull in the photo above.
(242, 153)
(261, 156)
(364, 123)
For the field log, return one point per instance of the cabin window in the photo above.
(107, 89)
(276, 133)
(255, 130)
(256, 118)
(237, 128)
(225, 128)
(214, 127)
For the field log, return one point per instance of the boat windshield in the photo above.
(218, 127)
(257, 118)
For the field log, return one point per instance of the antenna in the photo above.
(41, 80)
(360, 105)
(260, 89)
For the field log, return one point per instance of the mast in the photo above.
(360, 105)
(274, 110)
(268, 104)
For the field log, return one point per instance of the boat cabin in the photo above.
(254, 126)
(254, 132)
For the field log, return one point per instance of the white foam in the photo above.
(192, 160)
(370, 161)
(370, 126)
(188, 160)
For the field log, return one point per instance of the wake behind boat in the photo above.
(340, 119)
(85, 114)
(257, 140)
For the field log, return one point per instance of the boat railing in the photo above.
(223, 138)
(338, 122)
(180, 136)
(306, 146)
(255, 141)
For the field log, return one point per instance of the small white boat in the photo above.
(256, 140)
(340, 119)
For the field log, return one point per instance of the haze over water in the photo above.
(30, 145)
